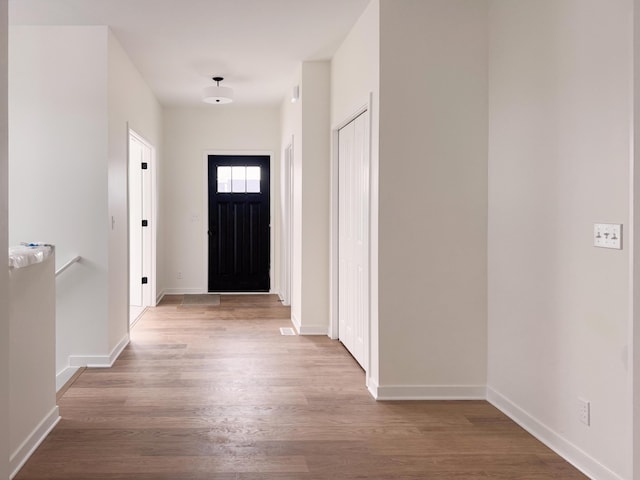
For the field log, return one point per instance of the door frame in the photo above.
(335, 232)
(205, 214)
(152, 198)
(286, 249)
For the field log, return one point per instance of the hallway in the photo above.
(218, 393)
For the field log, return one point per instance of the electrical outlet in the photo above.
(179, 275)
(607, 235)
(584, 411)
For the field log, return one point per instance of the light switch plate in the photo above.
(607, 235)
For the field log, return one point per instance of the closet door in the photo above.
(353, 236)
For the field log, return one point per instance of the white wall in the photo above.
(308, 123)
(58, 169)
(188, 134)
(314, 165)
(68, 163)
(133, 105)
(4, 277)
(635, 245)
(433, 198)
(291, 131)
(355, 76)
(32, 382)
(560, 122)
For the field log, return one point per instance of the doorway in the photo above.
(353, 236)
(140, 195)
(239, 230)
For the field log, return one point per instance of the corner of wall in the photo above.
(314, 194)
(4, 275)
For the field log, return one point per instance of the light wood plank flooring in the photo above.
(217, 393)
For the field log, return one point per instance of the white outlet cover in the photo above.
(607, 235)
(584, 411)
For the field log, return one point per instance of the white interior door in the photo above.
(140, 231)
(353, 236)
(135, 222)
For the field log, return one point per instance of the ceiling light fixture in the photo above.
(217, 94)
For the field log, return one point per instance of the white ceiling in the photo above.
(178, 45)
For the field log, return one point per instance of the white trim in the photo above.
(33, 441)
(427, 392)
(286, 226)
(159, 297)
(205, 213)
(64, 376)
(295, 322)
(197, 291)
(183, 291)
(372, 386)
(333, 236)
(314, 330)
(308, 329)
(137, 319)
(241, 293)
(556, 442)
(100, 361)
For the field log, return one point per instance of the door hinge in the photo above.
(145, 165)
(145, 223)
(145, 280)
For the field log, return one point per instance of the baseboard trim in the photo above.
(556, 442)
(137, 319)
(296, 323)
(100, 361)
(308, 330)
(372, 386)
(33, 441)
(183, 291)
(427, 392)
(314, 330)
(159, 298)
(64, 376)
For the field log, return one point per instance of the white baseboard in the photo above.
(33, 441)
(556, 442)
(64, 376)
(296, 323)
(159, 297)
(372, 386)
(137, 319)
(427, 392)
(314, 330)
(99, 361)
(183, 291)
(308, 330)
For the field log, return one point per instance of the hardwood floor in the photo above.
(217, 393)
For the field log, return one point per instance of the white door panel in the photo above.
(353, 238)
(135, 222)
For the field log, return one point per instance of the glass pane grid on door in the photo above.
(238, 179)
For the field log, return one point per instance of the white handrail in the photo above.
(68, 264)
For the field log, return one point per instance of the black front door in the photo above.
(239, 237)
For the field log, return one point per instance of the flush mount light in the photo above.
(217, 94)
